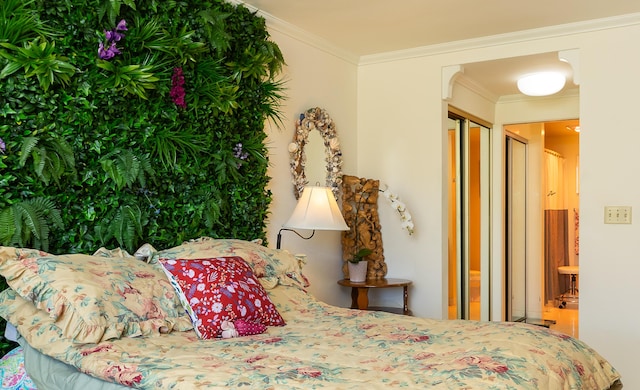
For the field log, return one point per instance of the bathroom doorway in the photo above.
(553, 221)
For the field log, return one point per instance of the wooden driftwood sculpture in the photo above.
(360, 209)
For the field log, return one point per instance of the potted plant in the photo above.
(358, 265)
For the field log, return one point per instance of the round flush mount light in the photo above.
(541, 83)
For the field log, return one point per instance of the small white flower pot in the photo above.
(358, 271)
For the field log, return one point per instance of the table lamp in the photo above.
(317, 209)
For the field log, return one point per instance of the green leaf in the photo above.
(28, 223)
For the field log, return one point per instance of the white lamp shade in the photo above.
(317, 209)
(541, 83)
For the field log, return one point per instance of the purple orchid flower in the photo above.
(107, 54)
(122, 25)
(3, 146)
(102, 53)
(112, 36)
(113, 49)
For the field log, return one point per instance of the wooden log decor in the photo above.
(360, 203)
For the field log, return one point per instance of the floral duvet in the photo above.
(328, 347)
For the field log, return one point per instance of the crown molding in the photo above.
(503, 39)
(464, 81)
(570, 92)
(299, 34)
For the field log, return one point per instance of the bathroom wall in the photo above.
(568, 145)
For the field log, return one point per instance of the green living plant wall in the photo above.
(131, 121)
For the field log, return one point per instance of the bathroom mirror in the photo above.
(307, 148)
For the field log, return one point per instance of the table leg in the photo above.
(406, 300)
(360, 298)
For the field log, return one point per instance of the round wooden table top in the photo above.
(376, 283)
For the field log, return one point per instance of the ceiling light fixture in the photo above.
(541, 83)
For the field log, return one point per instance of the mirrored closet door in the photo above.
(469, 225)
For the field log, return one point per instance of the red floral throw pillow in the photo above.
(220, 289)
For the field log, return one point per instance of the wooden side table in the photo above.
(360, 293)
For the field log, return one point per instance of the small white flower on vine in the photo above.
(401, 208)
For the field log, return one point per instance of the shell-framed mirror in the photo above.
(301, 148)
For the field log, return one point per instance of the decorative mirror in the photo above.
(316, 119)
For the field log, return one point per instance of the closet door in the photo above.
(471, 184)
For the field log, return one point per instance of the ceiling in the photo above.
(365, 27)
(368, 27)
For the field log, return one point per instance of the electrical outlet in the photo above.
(617, 214)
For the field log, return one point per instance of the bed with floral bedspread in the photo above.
(321, 346)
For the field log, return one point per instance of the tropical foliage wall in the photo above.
(132, 121)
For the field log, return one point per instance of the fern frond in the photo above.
(103, 231)
(7, 227)
(52, 157)
(126, 226)
(28, 223)
(65, 152)
(49, 210)
(28, 216)
(28, 144)
(125, 167)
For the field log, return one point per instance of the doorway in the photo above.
(469, 223)
(552, 238)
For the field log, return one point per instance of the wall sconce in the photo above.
(541, 83)
(317, 209)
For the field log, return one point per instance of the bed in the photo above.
(160, 337)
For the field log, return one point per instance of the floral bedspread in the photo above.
(328, 347)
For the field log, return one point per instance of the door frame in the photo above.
(509, 234)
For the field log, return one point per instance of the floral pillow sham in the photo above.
(222, 295)
(91, 298)
(272, 266)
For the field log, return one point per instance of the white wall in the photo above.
(314, 78)
(391, 121)
(609, 140)
(405, 95)
(401, 142)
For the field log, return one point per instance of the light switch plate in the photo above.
(617, 214)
